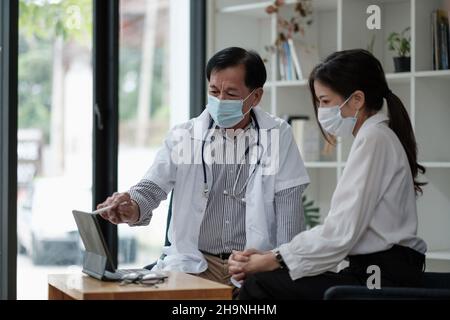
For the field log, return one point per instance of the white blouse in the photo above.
(372, 208)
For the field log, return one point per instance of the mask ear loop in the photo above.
(249, 95)
(343, 104)
(243, 101)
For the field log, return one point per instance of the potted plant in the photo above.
(301, 16)
(401, 44)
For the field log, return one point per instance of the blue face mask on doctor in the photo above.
(227, 113)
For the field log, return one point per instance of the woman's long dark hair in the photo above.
(348, 71)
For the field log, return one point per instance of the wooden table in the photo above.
(177, 286)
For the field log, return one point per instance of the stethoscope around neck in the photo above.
(247, 150)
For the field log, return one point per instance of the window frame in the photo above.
(8, 147)
(197, 74)
(106, 111)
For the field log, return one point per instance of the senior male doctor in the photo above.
(239, 184)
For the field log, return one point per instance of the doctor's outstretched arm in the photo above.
(136, 206)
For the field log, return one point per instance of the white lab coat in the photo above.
(372, 208)
(189, 202)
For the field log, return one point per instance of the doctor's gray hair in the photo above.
(350, 70)
(255, 70)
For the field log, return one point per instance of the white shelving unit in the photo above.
(339, 25)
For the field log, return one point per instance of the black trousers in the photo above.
(399, 267)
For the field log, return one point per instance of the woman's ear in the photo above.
(359, 99)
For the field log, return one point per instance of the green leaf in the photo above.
(309, 203)
(401, 43)
(312, 216)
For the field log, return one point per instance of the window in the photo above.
(54, 138)
(58, 80)
(144, 111)
(154, 94)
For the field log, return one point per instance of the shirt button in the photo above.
(227, 222)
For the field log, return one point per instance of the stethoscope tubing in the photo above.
(205, 179)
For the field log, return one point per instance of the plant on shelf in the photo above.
(312, 213)
(288, 26)
(401, 44)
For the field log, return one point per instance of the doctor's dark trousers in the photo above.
(399, 267)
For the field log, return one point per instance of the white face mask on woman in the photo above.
(332, 121)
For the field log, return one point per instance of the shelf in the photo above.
(245, 7)
(438, 255)
(436, 164)
(252, 9)
(401, 77)
(258, 9)
(321, 164)
(427, 165)
(288, 83)
(433, 73)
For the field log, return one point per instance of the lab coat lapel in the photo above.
(256, 220)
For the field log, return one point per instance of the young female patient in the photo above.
(373, 218)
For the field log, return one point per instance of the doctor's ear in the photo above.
(257, 96)
(358, 100)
